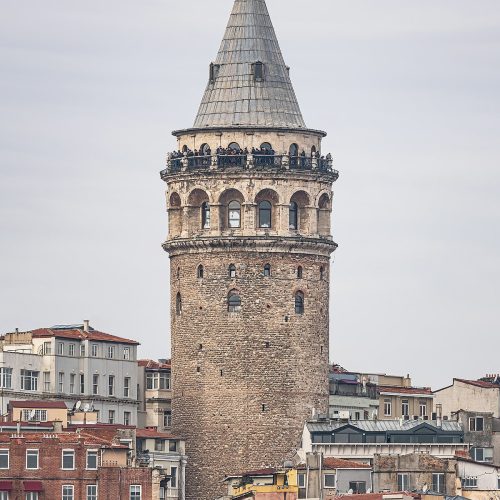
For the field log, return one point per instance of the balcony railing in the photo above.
(243, 161)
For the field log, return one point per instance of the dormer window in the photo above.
(258, 71)
(214, 72)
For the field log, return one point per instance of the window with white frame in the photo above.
(29, 380)
(469, 482)
(167, 418)
(111, 385)
(34, 415)
(127, 416)
(423, 408)
(47, 348)
(61, 382)
(72, 377)
(94, 350)
(387, 407)
(4, 459)
(329, 480)
(173, 477)
(476, 424)
(126, 353)
(92, 459)
(82, 383)
(405, 407)
(403, 482)
(46, 381)
(82, 350)
(68, 459)
(91, 491)
(4, 495)
(438, 484)
(68, 491)
(126, 387)
(482, 454)
(111, 416)
(135, 492)
(60, 348)
(71, 350)
(357, 487)
(32, 459)
(31, 495)
(95, 383)
(162, 493)
(6, 378)
(111, 352)
(301, 480)
(158, 380)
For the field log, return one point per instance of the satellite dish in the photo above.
(350, 492)
(369, 490)
(86, 407)
(78, 405)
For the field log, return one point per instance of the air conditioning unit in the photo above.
(407, 417)
(415, 417)
(434, 416)
(344, 415)
(426, 417)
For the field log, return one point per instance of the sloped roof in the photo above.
(154, 365)
(479, 383)
(234, 98)
(383, 425)
(80, 334)
(387, 389)
(340, 463)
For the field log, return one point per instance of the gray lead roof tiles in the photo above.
(235, 98)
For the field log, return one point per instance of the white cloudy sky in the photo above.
(409, 91)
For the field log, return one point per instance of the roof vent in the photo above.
(258, 71)
(214, 72)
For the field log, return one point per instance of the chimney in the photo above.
(407, 381)
(86, 325)
(439, 412)
(58, 426)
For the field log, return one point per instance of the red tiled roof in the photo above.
(152, 433)
(339, 463)
(478, 383)
(62, 437)
(374, 496)
(77, 334)
(260, 472)
(405, 390)
(38, 404)
(149, 363)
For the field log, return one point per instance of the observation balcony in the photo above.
(249, 162)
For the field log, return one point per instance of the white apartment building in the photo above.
(74, 363)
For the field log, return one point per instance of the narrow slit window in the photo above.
(201, 271)
(267, 270)
(299, 303)
(233, 301)
(258, 71)
(265, 211)
(293, 219)
(300, 272)
(232, 271)
(178, 304)
(205, 216)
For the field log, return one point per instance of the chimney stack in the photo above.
(86, 325)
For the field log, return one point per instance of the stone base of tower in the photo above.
(245, 382)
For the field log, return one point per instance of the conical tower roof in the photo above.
(236, 94)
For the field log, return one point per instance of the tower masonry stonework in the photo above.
(249, 200)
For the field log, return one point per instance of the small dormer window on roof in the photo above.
(258, 71)
(214, 72)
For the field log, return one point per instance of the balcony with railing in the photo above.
(261, 162)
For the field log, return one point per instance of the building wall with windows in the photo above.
(155, 394)
(412, 472)
(469, 395)
(478, 479)
(409, 403)
(71, 466)
(72, 363)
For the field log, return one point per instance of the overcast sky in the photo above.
(409, 92)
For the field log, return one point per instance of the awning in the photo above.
(32, 485)
(5, 485)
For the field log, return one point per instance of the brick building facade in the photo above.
(71, 466)
(249, 239)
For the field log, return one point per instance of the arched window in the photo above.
(184, 148)
(313, 150)
(265, 209)
(205, 215)
(232, 271)
(178, 304)
(200, 271)
(267, 270)
(233, 301)
(299, 303)
(294, 150)
(234, 146)
(300, 272)
(293, 218)
(234, 214)
(266, 146)
(205, 149)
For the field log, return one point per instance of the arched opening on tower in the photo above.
(231, 202)
(299, 211)
(267, 212)
(174, 215)
(198, 210)
(324, 210)
(233, 301)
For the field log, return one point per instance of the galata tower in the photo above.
(249, 198)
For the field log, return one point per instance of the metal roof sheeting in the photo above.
(383, 425)
(234, 98)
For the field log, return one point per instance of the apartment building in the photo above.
(155, 394)
(77, 364)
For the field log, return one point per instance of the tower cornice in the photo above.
(270, 244)
(248, 129)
